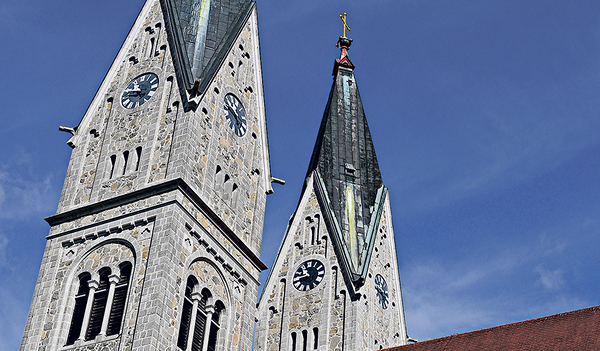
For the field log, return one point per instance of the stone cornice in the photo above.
(161, 188)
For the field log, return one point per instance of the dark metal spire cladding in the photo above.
(345, 165)
(201, 33)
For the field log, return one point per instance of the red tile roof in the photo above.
(572, 331)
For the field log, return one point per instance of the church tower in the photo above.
(156, 241)
(335, 284)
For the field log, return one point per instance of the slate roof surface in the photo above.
(225, 19)
(573, 331)
(345, 159)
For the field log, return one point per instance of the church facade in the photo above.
(156, 241)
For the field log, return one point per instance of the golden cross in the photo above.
(343, 18)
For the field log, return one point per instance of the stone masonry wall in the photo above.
(167, 235)
(165, 244)
(283, 309)
(344, 323)
(227, 171)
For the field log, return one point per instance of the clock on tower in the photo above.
(156, 240)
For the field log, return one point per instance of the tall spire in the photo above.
(202, 32)
(345, 162)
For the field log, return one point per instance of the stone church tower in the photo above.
(334, 284)
(156, 241)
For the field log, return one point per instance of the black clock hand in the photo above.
(232, 110)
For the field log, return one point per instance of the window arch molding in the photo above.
(81, 266)
(195, 262)
(217, 301)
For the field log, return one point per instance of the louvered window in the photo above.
(91, 301)
(186, 315)
(79, 310)
(118, 305)
(214, 329)
(98, 306)
(198, 323)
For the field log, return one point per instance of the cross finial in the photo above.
(343, 18)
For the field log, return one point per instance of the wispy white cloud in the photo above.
(22, 198)
(443, 298)
(550, 279)
(550, 245)
(14, 309)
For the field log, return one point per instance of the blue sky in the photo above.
(484, 115)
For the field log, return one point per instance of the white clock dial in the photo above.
(235, 114)
(139, 90)
(382, 291)
(309, 275)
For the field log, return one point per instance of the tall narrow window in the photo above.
(118, 305)
(138, 152)
(315, 338)
(125, 158)
(98, 306)
(113, 160)
(193, 318)
(334, 270)
(200, 325)
(79, 310)
(293, 341)
(214, 327)
(304, 340)
(186, 314)
(150, 52)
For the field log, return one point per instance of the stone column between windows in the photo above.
(196, 297)
(209, 312)
(93, 285)
(113, 280)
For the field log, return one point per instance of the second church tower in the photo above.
(334, 284)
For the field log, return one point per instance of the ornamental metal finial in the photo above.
(343, 18)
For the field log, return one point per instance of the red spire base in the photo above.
(344, 61)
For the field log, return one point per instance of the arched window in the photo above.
(78, 312)
(118, 304)
(186, 314)
(215, 326)
(138, 153)
(199, 325)
(125, 159)
(113, 160)
(304, 340)
(293, 341)
(99, 305)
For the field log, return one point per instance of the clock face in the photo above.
(140, 90)
(309, 275)
(382, 291)
(235, 114)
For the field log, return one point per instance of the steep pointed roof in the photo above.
(344, 158)
(201, 32)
